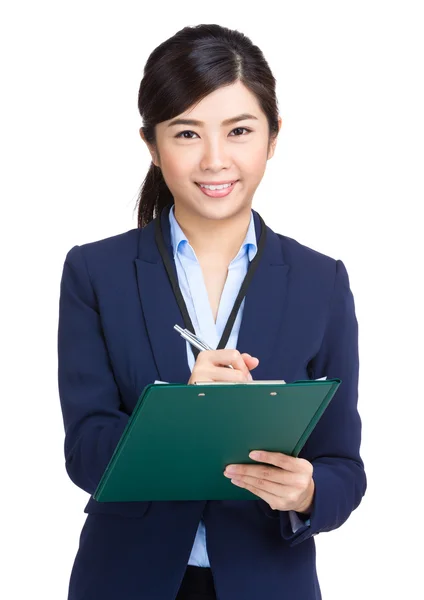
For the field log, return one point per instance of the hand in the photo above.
(286, 483)
(209, 366)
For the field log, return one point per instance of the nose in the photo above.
(214, 156)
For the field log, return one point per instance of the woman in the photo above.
(210, 117)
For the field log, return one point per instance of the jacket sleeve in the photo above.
(89, 396)
(334, 445)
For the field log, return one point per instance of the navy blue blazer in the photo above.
(115, 336)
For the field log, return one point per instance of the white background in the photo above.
(346, 180)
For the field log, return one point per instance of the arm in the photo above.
(333, 447)
(89, 396)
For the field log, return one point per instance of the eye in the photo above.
(181, 134)
(240, 128)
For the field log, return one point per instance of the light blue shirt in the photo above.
(193, 289)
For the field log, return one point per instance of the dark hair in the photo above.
(180, 72)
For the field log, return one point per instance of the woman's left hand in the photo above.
(285, 482)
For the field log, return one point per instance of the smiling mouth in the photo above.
(217, 183)
(218, 192)
(227, 184)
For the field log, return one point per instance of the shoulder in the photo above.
(110, 250)
(299, 255)
(103, 261)
(309, 265)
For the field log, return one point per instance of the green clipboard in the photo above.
(180, 437)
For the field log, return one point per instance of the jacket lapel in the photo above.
(261, 325)
(160, 308)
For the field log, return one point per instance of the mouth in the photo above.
(216, 182)
(219, 192)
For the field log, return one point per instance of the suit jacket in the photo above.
(115, 335)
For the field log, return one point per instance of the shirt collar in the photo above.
(180, 242)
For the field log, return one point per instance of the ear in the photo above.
(150, 147)
(274, 140)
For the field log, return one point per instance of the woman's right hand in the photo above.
(209, 366)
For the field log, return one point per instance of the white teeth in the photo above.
(216, 187)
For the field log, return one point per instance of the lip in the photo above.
(216, 182)
(220, 193)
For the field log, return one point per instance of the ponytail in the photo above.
(154, 196)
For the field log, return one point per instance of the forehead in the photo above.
(221, 104)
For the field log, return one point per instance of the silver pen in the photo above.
(195, 341)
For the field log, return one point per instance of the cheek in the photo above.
(253, 165)
(176, 171)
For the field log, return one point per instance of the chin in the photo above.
(220, 208)
(215, 209)
(220, 212)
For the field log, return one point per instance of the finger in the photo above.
(224, 374)
(262, 472)
(212, 373)
(271, 487)
(278, 459)
(251, 361)
(226, 357)
(274, 501)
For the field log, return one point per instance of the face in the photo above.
(213, 151)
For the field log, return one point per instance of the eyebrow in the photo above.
(242, 117)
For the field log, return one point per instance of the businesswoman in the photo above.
(272, 307)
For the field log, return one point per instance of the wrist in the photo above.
(305, 508)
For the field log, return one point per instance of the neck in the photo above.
(219, 240)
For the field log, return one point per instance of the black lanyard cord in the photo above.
(177, 291)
